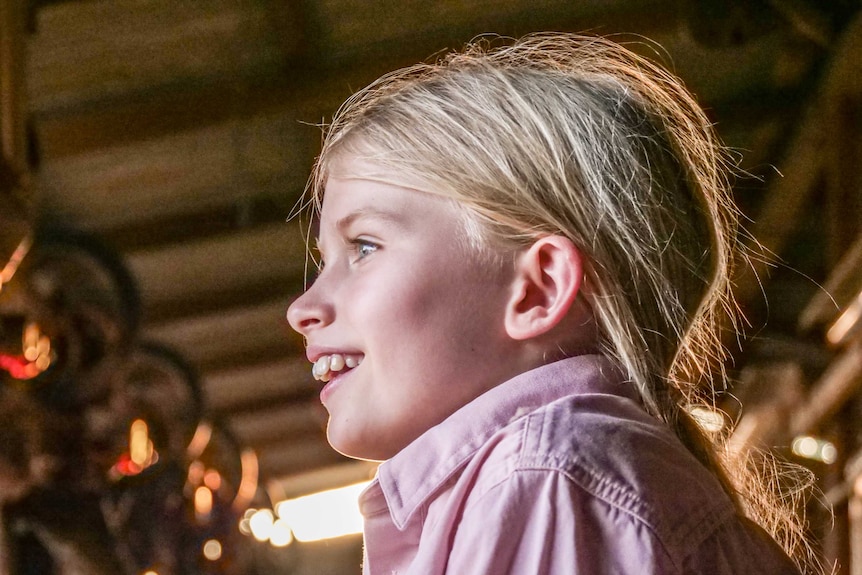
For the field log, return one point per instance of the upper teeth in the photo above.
(326, 364)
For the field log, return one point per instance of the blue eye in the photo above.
(363, 248)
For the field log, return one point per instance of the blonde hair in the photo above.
(578, 136)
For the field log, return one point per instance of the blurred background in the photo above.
(158, 415)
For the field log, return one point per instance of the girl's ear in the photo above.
(547, 279)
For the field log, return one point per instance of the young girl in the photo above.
(526, 252)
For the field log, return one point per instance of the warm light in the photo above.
(141, 452)
(140, 446)
(35, 355)
(12, 265)
(17, 366)
(124, 467)
(35, 344)
(260, 524)
(814, 448)
(805, 446)
(324, 515)
(248, 484)
(43, 346)
(829, 453)
(203, 503)
(31, 370)
(845, 323)
(244, 526)
(200, 440)
(212, 479)
(196, 473)
(212, 550)
(280, 534)
(30, 341)
(150, 572)
(43, 362)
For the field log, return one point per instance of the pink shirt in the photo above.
(558, 470)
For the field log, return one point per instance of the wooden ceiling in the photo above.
(184, 131)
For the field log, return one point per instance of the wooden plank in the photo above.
(289, 459)
(184, 272)
(803, 166)
(237, 389)
(830, 393)
(841, 287)
(280, 425)
(155, 112)
(87, 51)
(154, 109)
(391, 28)
(843, 155)
(397, 34)
(13, 103)
(220, 165)
(231, 337)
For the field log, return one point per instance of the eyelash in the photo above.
(359, 246)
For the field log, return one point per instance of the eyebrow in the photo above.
(370, 212)
(367, 212)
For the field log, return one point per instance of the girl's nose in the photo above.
(308, 312)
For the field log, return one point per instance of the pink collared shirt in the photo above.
(556, 471)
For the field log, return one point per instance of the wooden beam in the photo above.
(829, 394)
(242, 336)
(88, 51)
(406, 31)
(156, 112)
(13, 105)
(280, 425)
(184, 173)
(147, 108)
(236, 390)
(803, 165)
(843, 155)
(841, 287)
(281, 460)
(221, 264)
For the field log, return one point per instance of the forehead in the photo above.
(357, 189)
(349, 202)
(358, 166)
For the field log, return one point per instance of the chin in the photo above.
(353, 448)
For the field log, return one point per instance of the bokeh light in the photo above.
(324, 515)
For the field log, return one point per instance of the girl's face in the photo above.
(404, 322)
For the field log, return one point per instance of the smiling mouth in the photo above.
(327, 366)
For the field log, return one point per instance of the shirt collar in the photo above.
(411, 477)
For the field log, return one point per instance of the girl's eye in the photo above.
(363, 248)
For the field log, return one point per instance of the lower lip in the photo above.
(332, 385)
